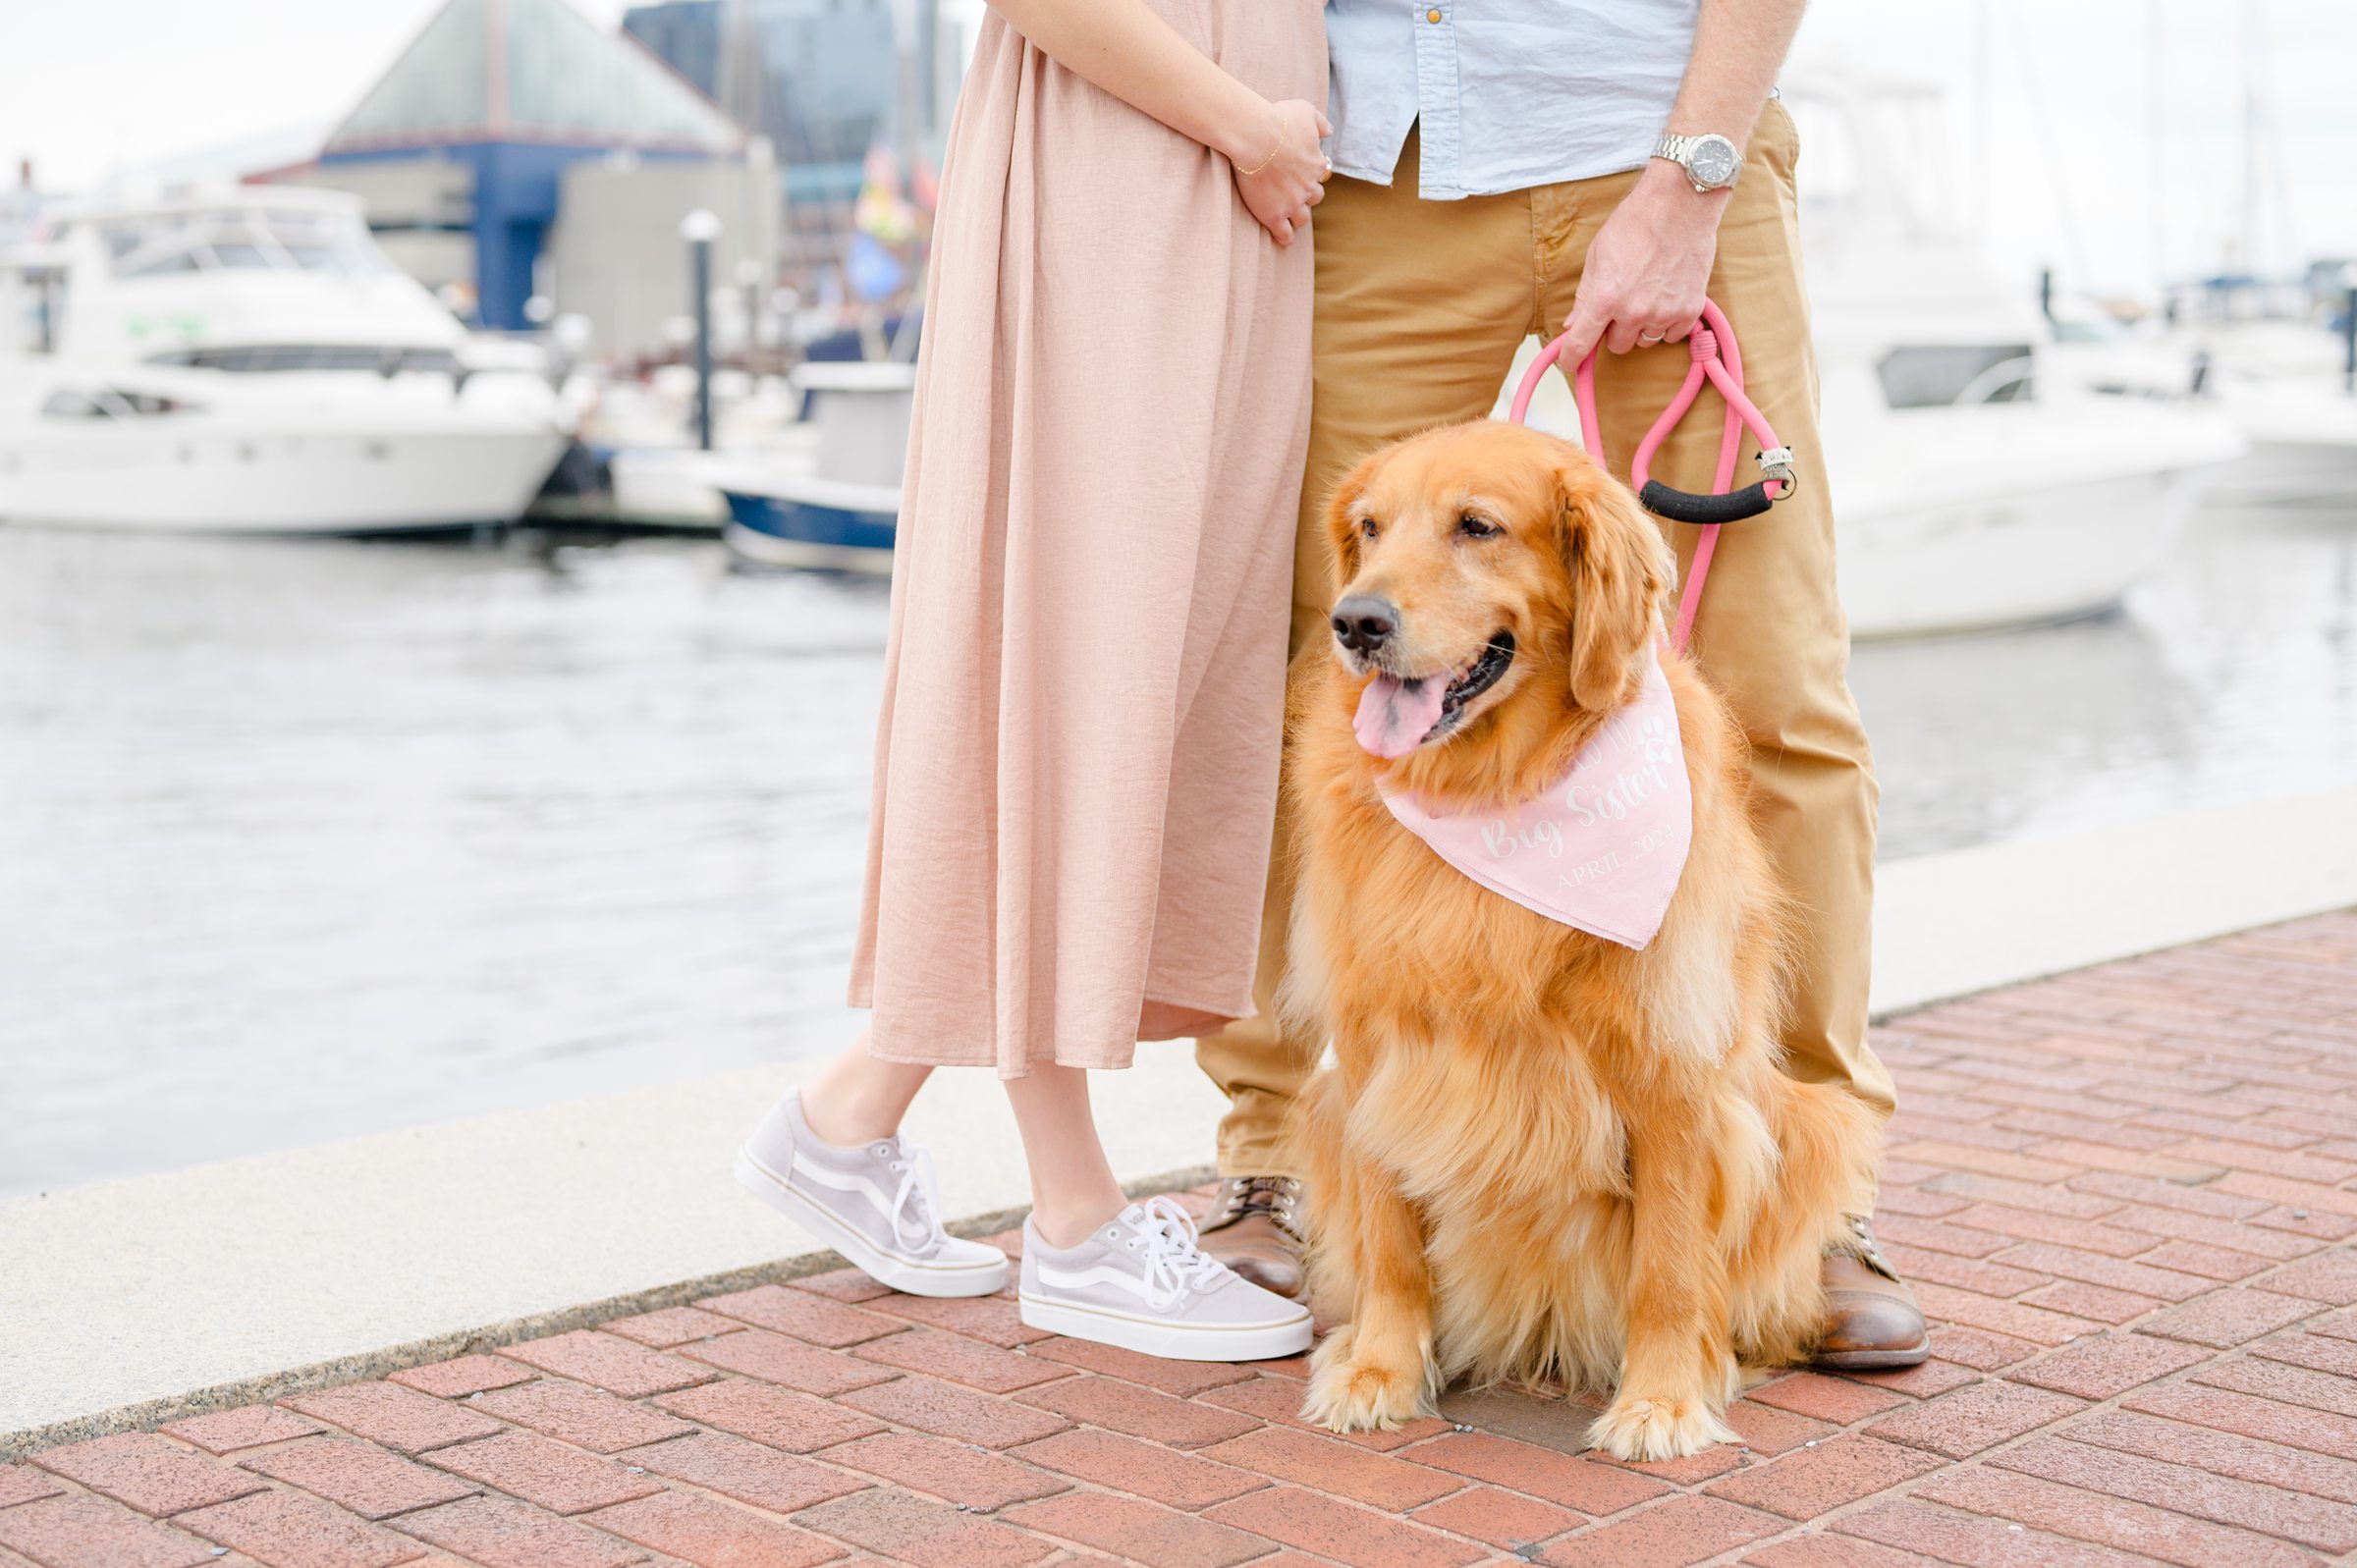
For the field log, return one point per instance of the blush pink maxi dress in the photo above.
(1076, 758)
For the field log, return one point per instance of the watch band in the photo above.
(1679, 150)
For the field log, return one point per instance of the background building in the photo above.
(821, 78)
(825, 81)
(516, 151)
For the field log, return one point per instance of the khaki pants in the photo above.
(1421, 306)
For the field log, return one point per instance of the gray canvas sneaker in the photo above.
(1140, 1283)
(876, 1203)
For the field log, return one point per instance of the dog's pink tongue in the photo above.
(1394, 716)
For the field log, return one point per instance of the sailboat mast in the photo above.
(2156, 139)
(1984, 127)
(2249, 237)
(909, 85)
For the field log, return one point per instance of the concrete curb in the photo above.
(147, 1414)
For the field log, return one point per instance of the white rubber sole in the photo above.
(1172, 1341)
(907, 1275)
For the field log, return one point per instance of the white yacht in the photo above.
(2287, 385)
(1974, 485)
(248, 360)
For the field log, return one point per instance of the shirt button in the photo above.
(1432, 15)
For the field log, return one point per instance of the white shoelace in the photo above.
(1173, 1262)
(920, 1192)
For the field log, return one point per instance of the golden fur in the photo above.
(1541, 1157)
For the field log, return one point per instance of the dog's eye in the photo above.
(1367, 528)
(1476, 527)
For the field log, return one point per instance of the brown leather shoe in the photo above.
(1251, 1228)
(1872, 1321)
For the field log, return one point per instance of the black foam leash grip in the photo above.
(1684, 506)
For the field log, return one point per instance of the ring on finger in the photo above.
(1650, 337)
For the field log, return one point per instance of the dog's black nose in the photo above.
(1365, 623)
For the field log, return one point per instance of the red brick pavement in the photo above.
(2128, 1197)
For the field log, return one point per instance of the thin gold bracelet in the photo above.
(1271, 159)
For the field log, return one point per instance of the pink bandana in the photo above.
(1599, 851)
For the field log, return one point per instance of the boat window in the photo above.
(109, 403)
(1938, 375)
(174, 261)
(373, 358)
(67, 403)
(244, 238)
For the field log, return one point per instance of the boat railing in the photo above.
(2006, 381)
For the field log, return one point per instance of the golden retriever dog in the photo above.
(1539, 1157)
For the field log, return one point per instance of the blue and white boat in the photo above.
(838, 508)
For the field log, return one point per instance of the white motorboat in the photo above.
(2303, 436)
(1973, 485)
(840, 507)
(170, 449)
(2005, 514)
(2285, 382)
(248, 360)
(2281, 380)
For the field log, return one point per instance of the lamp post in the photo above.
(699, 229)
(2348, 335)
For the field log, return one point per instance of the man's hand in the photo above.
(1648, 267)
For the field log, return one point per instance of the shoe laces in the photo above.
(1862, 1245)
(1274, 1196)
(917, 1199)
(1166, 1234)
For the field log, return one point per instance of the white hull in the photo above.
(1958, 519)
(681, 486)
(263, 480)
(666, 486)
(222, 452)
(1965, 564)
(2303, 435)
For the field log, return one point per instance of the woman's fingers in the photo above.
(1317, 194)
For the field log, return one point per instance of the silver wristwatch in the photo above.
(1712, 162)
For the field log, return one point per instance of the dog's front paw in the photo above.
(1634, 1427)
(1350, 1392)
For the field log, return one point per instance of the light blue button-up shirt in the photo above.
(1510, 93)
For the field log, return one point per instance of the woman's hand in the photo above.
(1281, 191)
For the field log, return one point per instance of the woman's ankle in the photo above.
(1067, 1223)
(840, 1119)
(856, 1099)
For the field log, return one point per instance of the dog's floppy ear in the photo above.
(1341, 521)
(1620, 570)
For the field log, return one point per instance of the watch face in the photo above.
(1713, 161)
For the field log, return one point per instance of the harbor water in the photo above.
(304, 839)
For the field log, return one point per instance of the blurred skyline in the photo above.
(93, 94)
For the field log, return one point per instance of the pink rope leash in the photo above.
(1713, 358)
